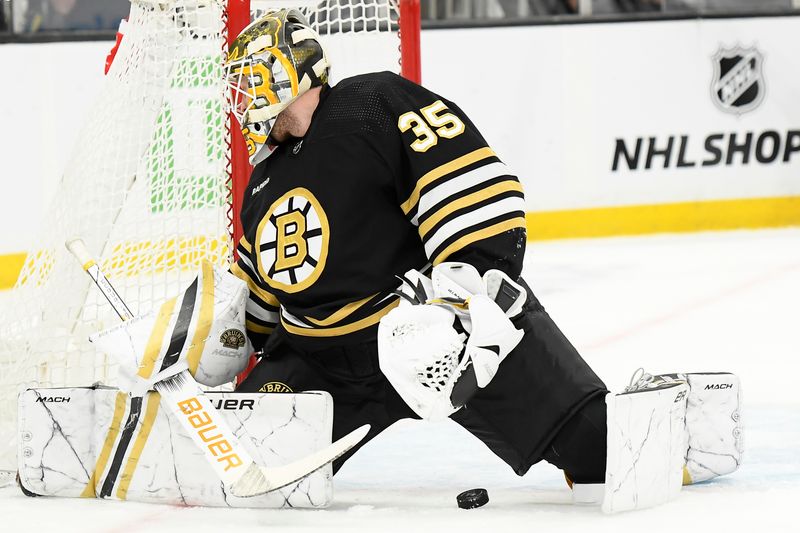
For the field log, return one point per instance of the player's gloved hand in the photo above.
(456, 283)
(433, 367)
(202, 330)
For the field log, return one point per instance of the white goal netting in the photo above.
(148, 185)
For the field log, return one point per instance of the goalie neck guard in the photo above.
(273, 61)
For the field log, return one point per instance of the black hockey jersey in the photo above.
(389, 177)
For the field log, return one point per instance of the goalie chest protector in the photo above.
(331, 219)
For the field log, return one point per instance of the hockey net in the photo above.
(151, 182)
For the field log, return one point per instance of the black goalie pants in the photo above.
(544, 403)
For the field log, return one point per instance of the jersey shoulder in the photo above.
(385, 82)
(397, 93)
(370, 103)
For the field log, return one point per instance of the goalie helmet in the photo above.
(273, 61)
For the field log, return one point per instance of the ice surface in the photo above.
(702, 302)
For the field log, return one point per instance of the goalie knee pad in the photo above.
(202, 330)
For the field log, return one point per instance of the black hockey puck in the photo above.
(473, 498)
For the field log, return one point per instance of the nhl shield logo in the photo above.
(738, 83)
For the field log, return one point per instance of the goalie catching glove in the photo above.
(202, 330)
(423, 347)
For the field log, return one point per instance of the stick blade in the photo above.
(259, 479)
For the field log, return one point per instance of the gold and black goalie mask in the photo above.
(273, 61)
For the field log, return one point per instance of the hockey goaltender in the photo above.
(381, 259)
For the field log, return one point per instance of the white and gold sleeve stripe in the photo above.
(344, 329)
(342, 313)
(247, 265)
(262, 309)
(260, 317)
(443, 171)
(244, 245)
(294, 320)
(466, 201)
(256, 309)
(479, 235)
(457, 184)
(261, 329)
(476, 219)
(245, 260)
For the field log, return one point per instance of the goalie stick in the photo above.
(237, 469)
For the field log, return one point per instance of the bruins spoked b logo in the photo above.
(293, 241)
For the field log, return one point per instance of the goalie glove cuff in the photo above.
(493, 337)
(461, 281)
(452, 284)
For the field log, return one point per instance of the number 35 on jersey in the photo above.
(437, 116)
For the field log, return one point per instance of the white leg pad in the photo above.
(714, 426)
(646, 447)
(84, 442)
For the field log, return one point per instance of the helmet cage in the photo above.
(272, 62)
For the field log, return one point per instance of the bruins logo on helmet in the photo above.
(293, 241)
(232, 338)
